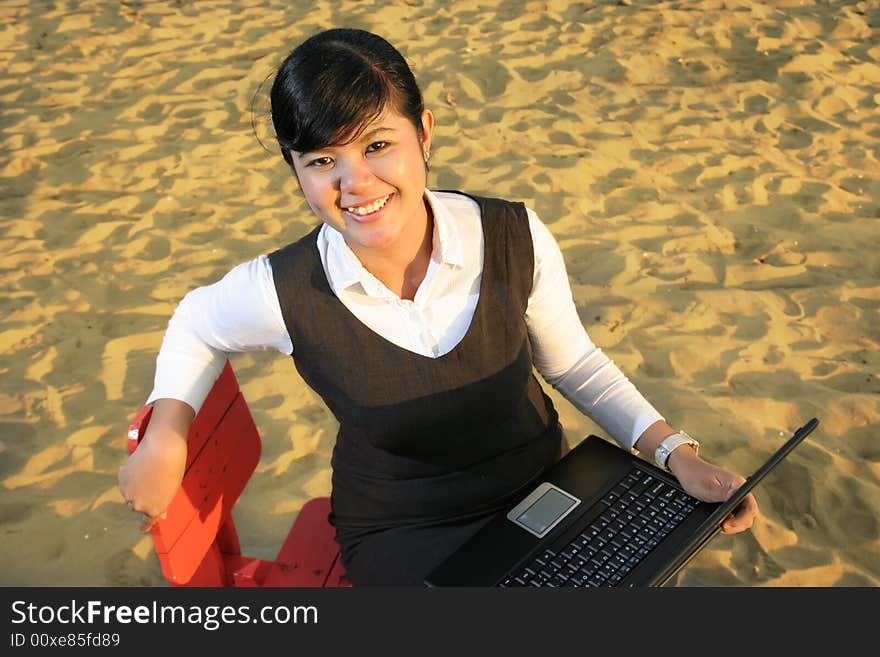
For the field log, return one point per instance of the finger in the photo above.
(147, 522)
(743, 517)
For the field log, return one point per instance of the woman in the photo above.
(417, 316)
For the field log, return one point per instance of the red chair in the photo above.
(197, 543)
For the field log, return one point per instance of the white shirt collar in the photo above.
(447, 235)
(345, 270)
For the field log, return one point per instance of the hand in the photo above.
(711, 483)
(147, 521)
(150, 478)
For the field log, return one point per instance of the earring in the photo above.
(427, 154)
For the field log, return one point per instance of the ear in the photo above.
(427, 135)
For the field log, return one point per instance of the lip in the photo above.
(373, 216)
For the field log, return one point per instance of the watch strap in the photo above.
(669, 444)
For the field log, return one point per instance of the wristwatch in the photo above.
(664, 449)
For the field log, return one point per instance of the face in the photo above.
(371, 190)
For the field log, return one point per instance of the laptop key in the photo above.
(619, 506)
(648, 513)
(556, 581)
(578, 579)
(642, 485)
(606, 518)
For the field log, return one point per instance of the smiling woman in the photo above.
(418, 316)
(371, 190)
(350, 120)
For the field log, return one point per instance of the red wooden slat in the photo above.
(213, 410)
(247, 571)
(310, 550)
(208, 570)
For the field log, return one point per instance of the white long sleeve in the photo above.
(566, 357)
(240, 312)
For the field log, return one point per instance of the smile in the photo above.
(369, 208)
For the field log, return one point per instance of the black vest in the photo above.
(425, 441)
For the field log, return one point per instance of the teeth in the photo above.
(372, 207)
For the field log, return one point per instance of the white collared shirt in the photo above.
(241, 312)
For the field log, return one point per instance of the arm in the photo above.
(566, 357)
(149, 479)
(238, 313)
(701, 479)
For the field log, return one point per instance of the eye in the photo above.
(320, 162)
(377, 146)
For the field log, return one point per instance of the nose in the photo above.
(354, 175)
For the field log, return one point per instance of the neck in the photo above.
(402, 268)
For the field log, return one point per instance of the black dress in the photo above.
(428, 448)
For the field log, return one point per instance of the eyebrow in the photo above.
(369, 134)
(366, 136)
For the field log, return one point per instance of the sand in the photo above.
(709, 168)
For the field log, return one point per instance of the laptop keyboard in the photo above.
(636, 516)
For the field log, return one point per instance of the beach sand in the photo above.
(709, 168)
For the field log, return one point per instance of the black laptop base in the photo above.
(504, 554)
(500, 550)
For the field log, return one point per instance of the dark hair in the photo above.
(333, 84)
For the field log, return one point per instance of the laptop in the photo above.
(601, 516)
